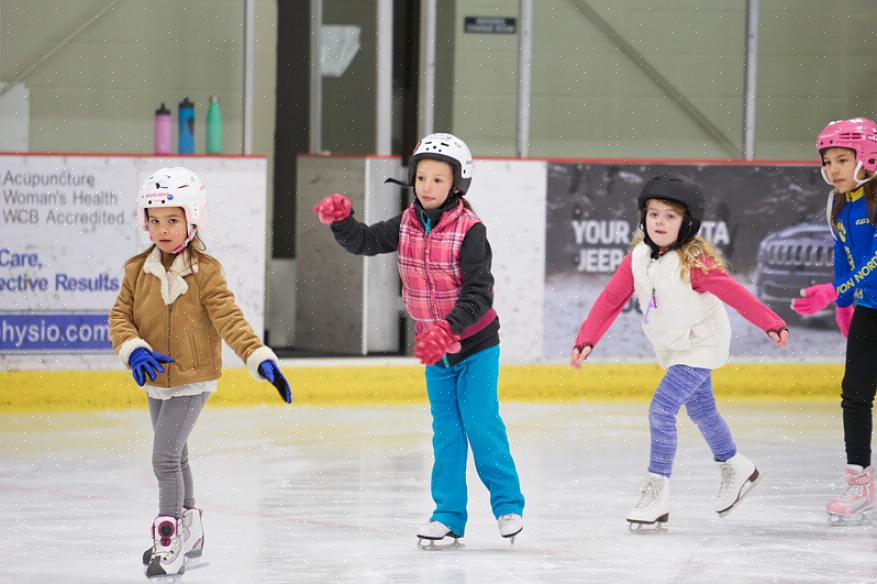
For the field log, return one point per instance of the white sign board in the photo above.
(68, 224)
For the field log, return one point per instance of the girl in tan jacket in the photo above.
(174, 299)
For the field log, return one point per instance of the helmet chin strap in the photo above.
(855, 174)
(658, 251)
(193, 229)
(681, 239)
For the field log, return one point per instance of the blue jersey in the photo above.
(855, 253)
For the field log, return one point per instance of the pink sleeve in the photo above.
(608, 305)
(728, 290)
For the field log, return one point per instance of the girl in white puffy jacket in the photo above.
(681, 284)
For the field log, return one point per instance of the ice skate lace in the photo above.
(728, 479)
(651, 491)
(850, 490)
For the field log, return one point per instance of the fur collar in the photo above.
(173, 283)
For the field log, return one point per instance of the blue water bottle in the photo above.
(186, 125)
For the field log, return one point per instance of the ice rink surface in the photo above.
(308, 494)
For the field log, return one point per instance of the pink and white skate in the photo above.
(853, 507)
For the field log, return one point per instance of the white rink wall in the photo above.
(86, 231)
(509, 196)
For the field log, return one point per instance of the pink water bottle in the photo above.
(162, 130)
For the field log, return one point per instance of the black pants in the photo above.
(859, 383)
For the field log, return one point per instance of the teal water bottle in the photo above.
(214, 126)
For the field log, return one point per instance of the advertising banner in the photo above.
(769, 221)
(68, 224)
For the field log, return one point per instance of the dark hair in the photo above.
(840, 202)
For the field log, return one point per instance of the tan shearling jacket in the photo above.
(185, 312)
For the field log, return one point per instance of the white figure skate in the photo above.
(510, 525)
(739, 476)
(193, 537)
(436, 531)
(853, 506)
(652, 512)
(167, 559)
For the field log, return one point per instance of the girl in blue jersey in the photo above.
(848, 150)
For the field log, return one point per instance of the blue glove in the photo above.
(269, 371)
(144, 362)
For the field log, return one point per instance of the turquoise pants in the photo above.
(465, 411)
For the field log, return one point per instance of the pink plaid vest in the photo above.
(430, 267)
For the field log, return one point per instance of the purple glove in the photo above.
(333, 208)
(815, 298)
(843, 316)
(432, 344)
(144, 362)
(275, 377)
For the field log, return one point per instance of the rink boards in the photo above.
(340, 383)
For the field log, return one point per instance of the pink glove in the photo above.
(843, 316)
(432, 344)
(815, 298)
(333, 208)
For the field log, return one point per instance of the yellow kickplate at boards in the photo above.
(34, 391)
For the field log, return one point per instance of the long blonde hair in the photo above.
(693, 254)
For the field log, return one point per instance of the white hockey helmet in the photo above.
(174, 187)
(447, 148)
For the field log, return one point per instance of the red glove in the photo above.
(843, 316)
(333, 208)
(432, 344)
(815, 298)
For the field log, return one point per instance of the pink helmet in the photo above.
(856, 134)
(174, 187)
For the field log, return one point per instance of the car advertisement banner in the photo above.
(769, 221)
(69, 224)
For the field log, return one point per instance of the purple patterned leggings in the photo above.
(693, 388)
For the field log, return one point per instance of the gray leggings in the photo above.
(172, 421)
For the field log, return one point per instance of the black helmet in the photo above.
(679, 189)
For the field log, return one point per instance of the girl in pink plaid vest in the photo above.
(444, 262)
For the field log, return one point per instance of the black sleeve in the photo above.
(476, 295)
(362, 239)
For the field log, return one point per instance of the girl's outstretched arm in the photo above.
(361, 239)
(817, 297)
(358, 238)
(719, 283)
(605, 310)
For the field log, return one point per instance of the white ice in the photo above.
(308, 494)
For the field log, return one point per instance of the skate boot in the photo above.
(854, 505)
(436, 531)
(192, 536)
(167, 557)
(193, 533)
(739, 475)
(510, 525)
(652, 511)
